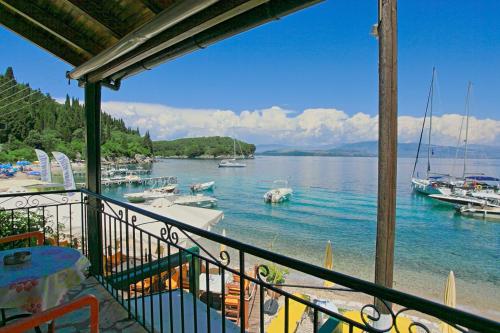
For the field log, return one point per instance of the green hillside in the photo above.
(214, 146)
(31, 119)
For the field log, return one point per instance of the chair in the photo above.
(232, 301)
(50, 315)
(172, 282)
(27, 235)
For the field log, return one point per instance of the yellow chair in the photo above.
(296, 311)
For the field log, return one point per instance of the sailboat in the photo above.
(232, 163)
(430, 184)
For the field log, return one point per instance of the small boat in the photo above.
(280, 192)
(198, 200)
(232, 163)
(152, 194)
(203, 186)
(480, 212)
(131, 178)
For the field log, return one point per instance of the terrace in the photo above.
(182, 280)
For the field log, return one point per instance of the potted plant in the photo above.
(275, 276)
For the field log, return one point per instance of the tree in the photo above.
(9, 73)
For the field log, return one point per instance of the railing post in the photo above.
(93, 156)
(387, 147)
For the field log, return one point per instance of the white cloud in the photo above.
(318, 126)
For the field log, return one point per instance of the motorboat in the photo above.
(480, 212)
(198, 200)
(279, 193)
(203, 186)
(151, 194)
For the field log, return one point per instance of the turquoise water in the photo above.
(335, 199)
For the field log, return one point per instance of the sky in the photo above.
(309, 78)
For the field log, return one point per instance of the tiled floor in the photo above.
(112, 316)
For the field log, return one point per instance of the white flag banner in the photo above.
(65, 164)
(44, 160)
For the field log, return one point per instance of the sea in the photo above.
(335, 199)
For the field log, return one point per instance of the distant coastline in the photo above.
(370, 149)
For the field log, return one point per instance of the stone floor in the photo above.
(112, 316)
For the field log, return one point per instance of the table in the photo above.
(41, 283)
(214, 282)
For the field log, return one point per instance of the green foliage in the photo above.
(34, 120)
(275, 274)
(194, 147)
(17, 222)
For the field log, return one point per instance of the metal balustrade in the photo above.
(156, 277)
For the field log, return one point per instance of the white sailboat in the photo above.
(429, 184)
(279, 193)
(232, 163)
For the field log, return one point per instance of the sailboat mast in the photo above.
(467, 108)
(423, 124)
(430, 123)
(234, 148)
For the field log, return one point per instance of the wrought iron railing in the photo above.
(157, 276)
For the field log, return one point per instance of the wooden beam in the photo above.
(387, 145)
(35, 34)
(96, 10)
(157, 6)
(55, 26)
(93, 159)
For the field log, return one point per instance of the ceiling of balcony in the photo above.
(114, 39)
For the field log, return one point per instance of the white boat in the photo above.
(486, 212)
(429, 186)
(198, 200)
(152, 194)
(232, 163)
(279, 193)
(203, 186)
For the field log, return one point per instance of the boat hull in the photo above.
(425, 187)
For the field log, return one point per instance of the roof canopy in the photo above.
(108, 41)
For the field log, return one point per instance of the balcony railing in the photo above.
(155, 276)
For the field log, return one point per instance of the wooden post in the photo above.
(387, 145)
(93, 157)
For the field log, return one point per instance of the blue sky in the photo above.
(322, 57)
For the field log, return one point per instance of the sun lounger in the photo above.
(296, 311)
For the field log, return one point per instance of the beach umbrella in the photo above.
(328, 262)
(223, 246)
(450, 299)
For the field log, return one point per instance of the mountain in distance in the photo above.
(370, 149)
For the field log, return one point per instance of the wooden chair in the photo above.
(232, 300)
(50, 315)
(27, 235)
